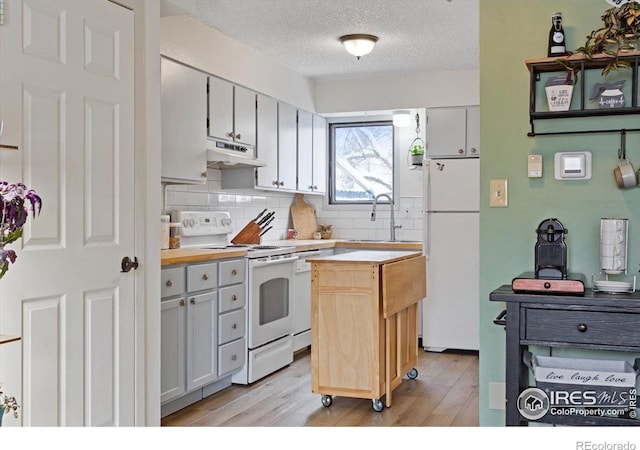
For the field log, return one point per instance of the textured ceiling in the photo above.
(414, 35)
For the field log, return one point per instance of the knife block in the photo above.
(250, 234)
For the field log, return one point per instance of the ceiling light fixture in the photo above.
(401, 118)
(359, 44)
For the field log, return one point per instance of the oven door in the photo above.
(270, 295)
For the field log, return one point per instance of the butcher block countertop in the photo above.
(313, 244)
(368, 256)
(189, 255)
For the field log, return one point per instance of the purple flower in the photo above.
(16, 201)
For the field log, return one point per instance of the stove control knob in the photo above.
(192, 222)
(185, 222)
(547, 285)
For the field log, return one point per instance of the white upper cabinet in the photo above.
(276, 144)
(287, 146)
(319, 155)
(232, 112)
(312, 153)
(305, 151)
(267, 141)
(453, 132)
(184, 129)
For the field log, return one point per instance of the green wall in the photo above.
(511, 32)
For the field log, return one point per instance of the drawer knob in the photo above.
(169, 283)
(234, 272)
(233, 357)
(234, 326)
(182, 302)
(582, 327)
(234, 297)
(193, 301)
(547, 285)
(205, 277)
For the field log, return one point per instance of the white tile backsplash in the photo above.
(348, 222)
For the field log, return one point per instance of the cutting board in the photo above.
(304, 218)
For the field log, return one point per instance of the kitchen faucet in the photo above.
(392, 223)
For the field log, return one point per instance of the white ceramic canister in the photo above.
(164, 232)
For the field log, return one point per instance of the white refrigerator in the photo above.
(450, 313)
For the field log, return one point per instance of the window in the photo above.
(361, 161)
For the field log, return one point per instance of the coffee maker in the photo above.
(550, 275)
(551, 250)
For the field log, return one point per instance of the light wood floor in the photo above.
(444, 394)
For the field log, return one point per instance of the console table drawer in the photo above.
(605, 328)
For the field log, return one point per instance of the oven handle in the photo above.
(259, 263)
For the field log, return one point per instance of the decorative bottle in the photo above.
(556, 36)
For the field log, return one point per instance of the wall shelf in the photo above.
(588, 74)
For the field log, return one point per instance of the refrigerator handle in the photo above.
(425, 206)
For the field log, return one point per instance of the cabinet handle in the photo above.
(234, 326)
(233, 357)
(204, 174)
(234, 272)
(315, 188)
(230, 134)
(205, 277)
(234, 297)
(238, 136)
(182, 302)
(169, 283)
(582, 327)
(473, 150)
(281, 183)
(460, 151)
(192, 301)
(275, 182)
(310, 188)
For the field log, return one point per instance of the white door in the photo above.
(287, 137)
(244, 115)
(67, 102)
(305, 151)
(220, 109)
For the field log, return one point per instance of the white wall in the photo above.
(414, 90)
(205, 48)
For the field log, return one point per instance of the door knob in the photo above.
(127, 264)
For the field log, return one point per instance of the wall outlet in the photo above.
(498, 193)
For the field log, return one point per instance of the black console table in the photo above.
(597, 321)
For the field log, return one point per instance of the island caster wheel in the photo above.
(378, 405)
(412, 374)
(326, 400)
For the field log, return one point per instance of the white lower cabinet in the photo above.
(201, 340)
(202, 330)
(172, 342)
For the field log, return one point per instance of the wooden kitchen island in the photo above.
(364, 323)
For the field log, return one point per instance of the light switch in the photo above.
(498, 193)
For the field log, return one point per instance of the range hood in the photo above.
(223, 154)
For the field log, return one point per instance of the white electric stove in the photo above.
(269, 289)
